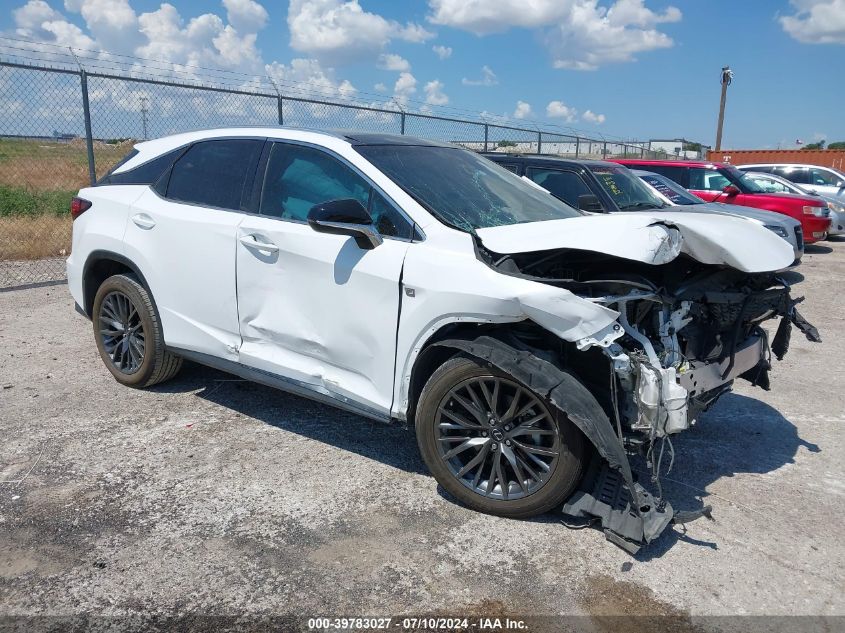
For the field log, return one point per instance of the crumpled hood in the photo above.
(652, 238)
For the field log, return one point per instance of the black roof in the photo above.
(552, 160)
(369, 138)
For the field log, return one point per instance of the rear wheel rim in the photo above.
(121, 332)
(497, 438)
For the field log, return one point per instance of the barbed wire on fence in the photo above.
(70, 115)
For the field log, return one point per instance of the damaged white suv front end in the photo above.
(690, 297)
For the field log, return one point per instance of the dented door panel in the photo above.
(319, 310)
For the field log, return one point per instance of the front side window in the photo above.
(563, 184)
(215, 173)
(461, 188)
(707, 179)
(299, 177)
(825, 178)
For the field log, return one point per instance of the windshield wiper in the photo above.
(642, 205)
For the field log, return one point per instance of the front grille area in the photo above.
(799, 236)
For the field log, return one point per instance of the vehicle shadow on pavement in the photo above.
(817, 249)
(739, 435)
(391, 444)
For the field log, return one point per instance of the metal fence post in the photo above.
(89, 137)
(402, 123)
(539, 142)
(604, 150)
(281, 103)
(486, 136)
(577, 145)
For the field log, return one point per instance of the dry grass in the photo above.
(48, 166)
(34, 237)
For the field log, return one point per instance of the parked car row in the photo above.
(719, 182)
(533, 343)
(606, 187)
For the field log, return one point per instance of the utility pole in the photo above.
(727, 78)
(144, 111)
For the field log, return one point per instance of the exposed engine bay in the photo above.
(685, 331)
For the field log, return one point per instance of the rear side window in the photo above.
(563, 185)
(215, 173)
(145, 173)
(679, 174)
(798, 175)
(510, 167)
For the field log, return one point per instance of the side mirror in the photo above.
(590, 203)
(731, 190)
(345, 217)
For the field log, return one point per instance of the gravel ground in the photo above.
(210, 495)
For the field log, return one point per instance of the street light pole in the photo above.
(727, 78)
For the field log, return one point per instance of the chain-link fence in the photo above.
(62, 128)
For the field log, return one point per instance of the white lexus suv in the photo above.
(532, 346)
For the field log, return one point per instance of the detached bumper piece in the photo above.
(603, 496)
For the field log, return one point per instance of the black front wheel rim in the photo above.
(497, 438)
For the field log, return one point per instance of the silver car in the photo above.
(824, 180)
(788, 228)
(776, 184)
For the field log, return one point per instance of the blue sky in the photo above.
(637, 69)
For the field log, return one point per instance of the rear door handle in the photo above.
(252, 241)
(143, 220)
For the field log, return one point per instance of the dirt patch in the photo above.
(615, 605)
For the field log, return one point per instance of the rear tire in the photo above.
(128, 333)
(531, 441)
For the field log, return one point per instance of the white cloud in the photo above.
(391, 61)
(434, 94)
(443, 52)
(483, 17)
(380, 87)
(245, 15)
(37, 20)
(488, 78)
(816, 21)
(306, 77)
(405, 86)
(113, 26)
(342, 31)
(579, 34)
(591, 117)
(594, 36)
(559, 110)
(522, 111)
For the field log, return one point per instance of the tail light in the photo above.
(78, 206)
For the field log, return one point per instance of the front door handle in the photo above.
(252, 241)
(143, 220)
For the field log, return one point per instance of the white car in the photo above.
(412, 281)
(776, 184)
(826, 181)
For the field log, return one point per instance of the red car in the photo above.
(718, 182)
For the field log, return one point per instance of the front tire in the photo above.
(494, 444)
(129, 335)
